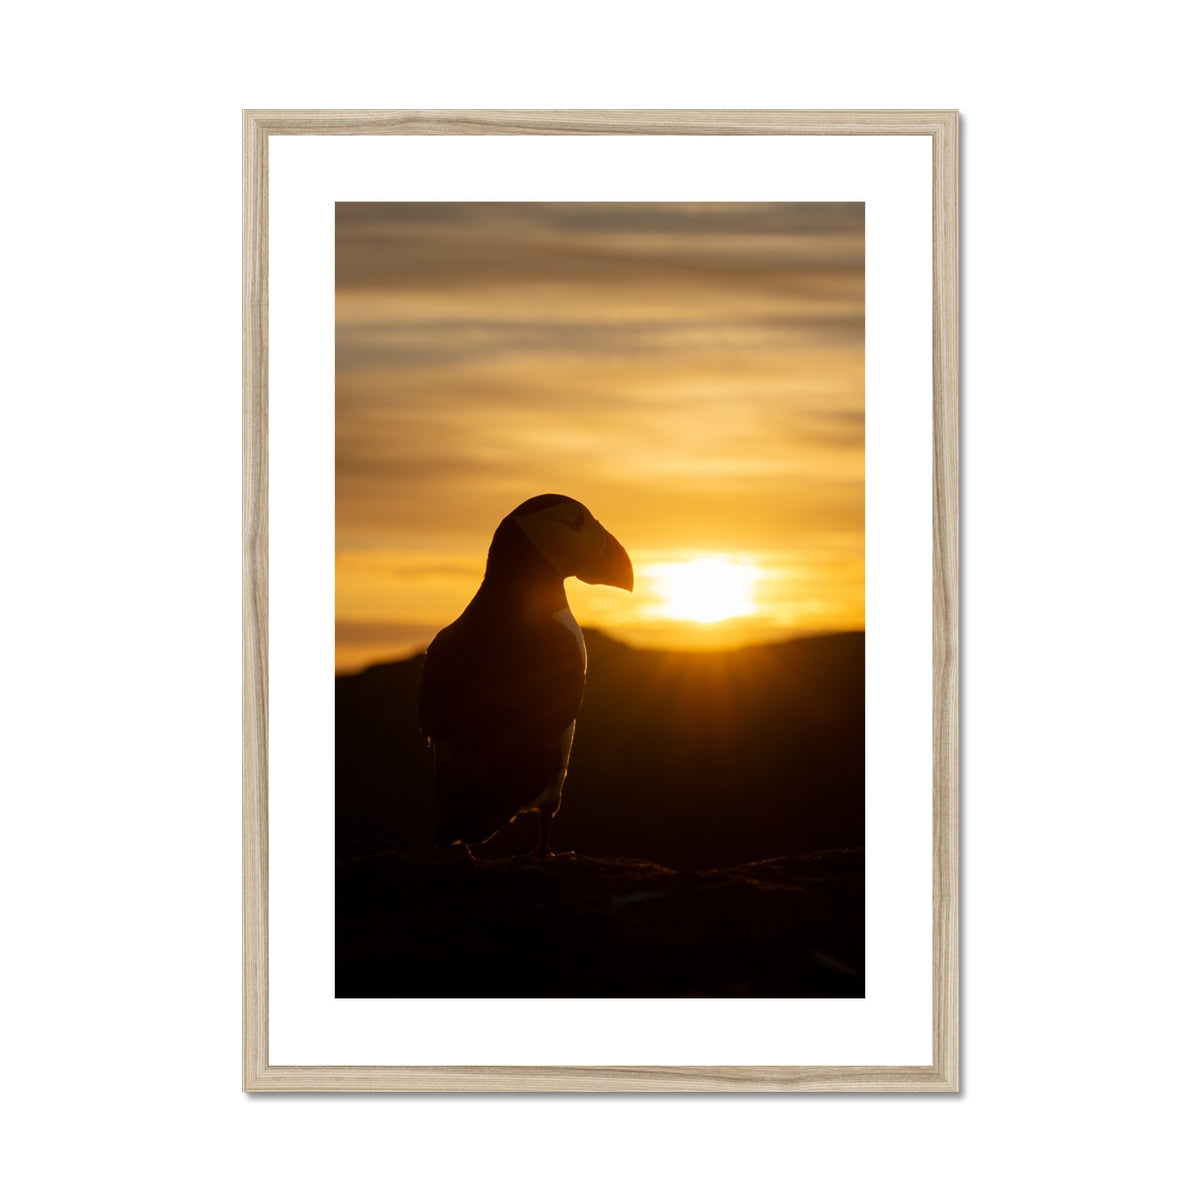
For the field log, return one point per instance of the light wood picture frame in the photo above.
(260, 1073)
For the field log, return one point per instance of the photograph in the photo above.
(600, 600)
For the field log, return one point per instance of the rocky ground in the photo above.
(575, 926)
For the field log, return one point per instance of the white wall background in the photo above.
(120, 472)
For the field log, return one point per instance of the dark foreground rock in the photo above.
(417, 926)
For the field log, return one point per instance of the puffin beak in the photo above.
(611, 565)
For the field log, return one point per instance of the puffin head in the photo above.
(569, 539)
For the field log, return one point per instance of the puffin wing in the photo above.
(496, 709)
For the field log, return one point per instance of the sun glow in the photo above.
(706, 590)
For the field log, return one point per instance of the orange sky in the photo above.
(693, 373)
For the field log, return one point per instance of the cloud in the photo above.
(414, 342)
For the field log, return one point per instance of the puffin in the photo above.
(501, 686)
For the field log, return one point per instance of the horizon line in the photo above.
(595, 630)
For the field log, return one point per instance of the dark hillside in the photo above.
(688, 760)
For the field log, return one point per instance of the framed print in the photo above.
(612, 735)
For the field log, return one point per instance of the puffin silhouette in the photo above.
(502, 685)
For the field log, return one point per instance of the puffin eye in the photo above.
(576, 523)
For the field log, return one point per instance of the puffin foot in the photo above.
(546, 852)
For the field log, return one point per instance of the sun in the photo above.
(706, 589)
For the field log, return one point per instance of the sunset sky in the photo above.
(693, 373)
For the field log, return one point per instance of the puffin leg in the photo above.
(542, 849)
(545, 816)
